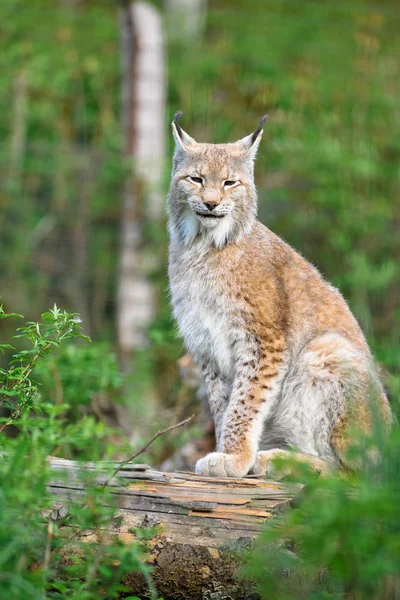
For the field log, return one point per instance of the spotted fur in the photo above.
(284, 360)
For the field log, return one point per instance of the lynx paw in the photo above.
(264, 464)
(219, 464)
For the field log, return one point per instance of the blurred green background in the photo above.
(328, 170)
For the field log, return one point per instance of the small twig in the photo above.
(92, 570)
(10, 419)
(144, 448)
(28, 368)
(47, 551)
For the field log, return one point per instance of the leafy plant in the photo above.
(18, 389)
(342, 540)
(39, 556)
(82, 376)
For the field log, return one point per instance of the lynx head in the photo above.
(212, 194)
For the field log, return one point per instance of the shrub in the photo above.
(33, 546)
(342, 540)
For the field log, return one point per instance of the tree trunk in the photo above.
(142, 117)
(203, 522)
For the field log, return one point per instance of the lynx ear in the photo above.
(183, 141)
(251, 142)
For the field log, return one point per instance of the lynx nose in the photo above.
(211, 204)
(211, 199)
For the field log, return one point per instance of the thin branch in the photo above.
(10, 419)
(28, 368)
(144, 448)
(47, 551)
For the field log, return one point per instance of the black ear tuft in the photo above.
(175, 122)
(177, 116)
(257, 131)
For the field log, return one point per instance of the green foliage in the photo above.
(17, 386)
(80, 375)
(34, 558)
(34, 562)
(342, 540)
(60, 162)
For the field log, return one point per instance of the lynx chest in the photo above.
(203, 311)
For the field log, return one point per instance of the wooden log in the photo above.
(202, 523)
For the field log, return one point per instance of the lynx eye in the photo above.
(195, 179)
(229, 183)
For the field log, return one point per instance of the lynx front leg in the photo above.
(259, 373)
(217, 393)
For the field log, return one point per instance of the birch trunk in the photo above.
(142, 117)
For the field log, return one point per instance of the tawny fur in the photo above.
(284, 361)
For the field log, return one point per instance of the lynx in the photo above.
(284, 361)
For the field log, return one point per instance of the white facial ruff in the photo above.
(216, 231)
